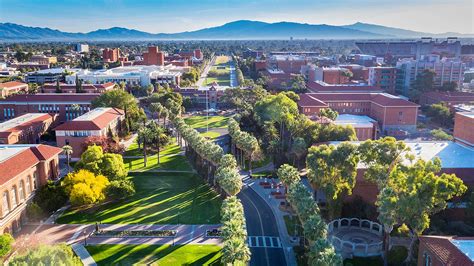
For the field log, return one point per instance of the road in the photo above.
(201, 80)
(261, 222)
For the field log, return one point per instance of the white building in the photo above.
(82, 48)
(140, 75)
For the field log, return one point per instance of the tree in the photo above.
(145, 136)
(122, 100)
(288, 175)
(333, 170)
(298, 84)
(59, 254)
(78, 85)
(50, 197)
(158, 138)
(83, 187)
(108, 145)
(6, 241)
(68, 151)
(424, 82)
(415, 192)
(298, 148)
(441, 114)
(96, 161)
(322, 253)
(58, 86)
(329, 113)
(235, 251)
(449, 86)
(119, 189)
(439, 134)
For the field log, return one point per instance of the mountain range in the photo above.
(237, 30)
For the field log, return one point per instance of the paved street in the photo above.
(261, 222)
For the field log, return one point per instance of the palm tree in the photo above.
(144, 134)
(156, 108)
(229, 179)
(68, 151)
(235, 250)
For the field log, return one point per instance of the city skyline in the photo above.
(178, 16)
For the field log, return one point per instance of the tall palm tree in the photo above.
(68, 151)
(145, 135)
(235, 250)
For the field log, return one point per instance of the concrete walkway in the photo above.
(274, 204)
(83, 254)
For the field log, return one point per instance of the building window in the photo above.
(21, 191)
(427, 259)
(28, 184)
(14, 199)
(35, 181)
(5, 205)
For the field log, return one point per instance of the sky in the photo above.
(168, 16)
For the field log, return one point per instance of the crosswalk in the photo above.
(264, 242)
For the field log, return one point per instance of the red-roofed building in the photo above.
(71, 88)
(27, 128)
(12, 87)
(95, 123)
(24, 169)
(446, 251)
(451, 98)
(391, 112)
(66, 105)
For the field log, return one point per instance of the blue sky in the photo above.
(178, 15)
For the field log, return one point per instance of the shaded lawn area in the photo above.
(211, 134)
(160, 198)
(200, 121)
(134, 150)
(156, 254)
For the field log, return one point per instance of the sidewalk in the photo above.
(83, 254)
(274, 205)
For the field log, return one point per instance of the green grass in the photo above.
(222, 59)
(211, 134)
(156, 254)
(200, 121)
(221, 80)
(133, 150)
(369, 261)
(160, 198)
(290, 225)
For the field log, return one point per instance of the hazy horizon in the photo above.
(179, 15)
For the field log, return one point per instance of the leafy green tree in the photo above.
(288, 175)
(322, 253)
(298, 148)
(413, 193)
(59, 254)
(145, 136)
(50, 197)
(424, 82)
(6, 241)
(96, 161)
(329, 113)
(439, 134)
(333, 170)
(119, 189)
(441, 114)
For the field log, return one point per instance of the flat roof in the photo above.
(468, 114)
(92, 114)
(466, 247)
(12, 123)
(8, 151)
(452, 154)
(357, 121)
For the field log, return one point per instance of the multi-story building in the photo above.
(43, 59)
(464, 128)
(204, 97)
(359, 73)
(154, 56)
(290, 64)
(140, 75)
(319, 86)
(97, 123)
(12, 87)
(446, 70)
(26, 128)
(110, 54)
(82, 48)
(330, 75)
(24, 169)
(67, 106)
(48, 75)
(364, 126)
(392, 113)
(383, 78)
(445, 250)
(71, 88)
(451, 47)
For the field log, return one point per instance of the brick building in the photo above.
(446, 251)
(44, 60)
(204, 95)
(67, 106)
(71, 88)
(110, 55)
(287, 63)
(319, 86)
(154, 56)
(358, 72)
(451, 98)
(383, 78)
(464, 128)
(24, 169)
(95, 123)
(392, 113)
(364, 126)
(26, 128)
(12, 87)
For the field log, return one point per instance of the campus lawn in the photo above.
(200, 121)
(211, 134)
(221, 59)
(223, 80)
(160, 198)
(156, 254)
(133, 150)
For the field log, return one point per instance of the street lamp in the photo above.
(85, 237)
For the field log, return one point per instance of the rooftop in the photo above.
(450, 250)
(23, 120)
(96, 119)
(320, 86)
(53, 71)
(63, 98)
(383, 99)
(355, 121)
(11, 84)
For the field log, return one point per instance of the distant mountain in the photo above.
(242, 29)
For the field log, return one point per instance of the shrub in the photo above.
(50, 197)
(60, 254)
(119, 189)
(83, 187)
(401, 231)
(6, 241)
(34, 211)
(397, 255)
